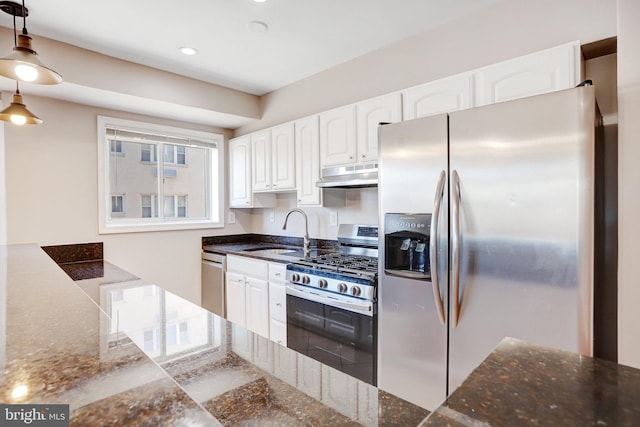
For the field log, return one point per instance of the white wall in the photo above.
(52, 182)
(353, 206)
(628, 182)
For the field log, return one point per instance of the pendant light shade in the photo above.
(18, 113)
(23, 63)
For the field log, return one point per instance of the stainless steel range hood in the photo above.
(350, 176)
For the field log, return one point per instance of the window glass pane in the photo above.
(172, 335)
(169, 207)
(169, 151)
(147, 153)
(128, 175)
(182, 206)
(191, 182)
(181, 153)
(117, 204)
(191, 168)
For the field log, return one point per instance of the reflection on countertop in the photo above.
(137, 355)
(125, 352)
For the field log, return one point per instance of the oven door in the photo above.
(336, 330)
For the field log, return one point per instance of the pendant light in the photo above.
(17, 113)
(23, 63)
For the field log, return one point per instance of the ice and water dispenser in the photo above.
(406, 244)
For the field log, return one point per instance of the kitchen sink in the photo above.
(271, 251)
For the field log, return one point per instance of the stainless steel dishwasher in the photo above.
(214, 266)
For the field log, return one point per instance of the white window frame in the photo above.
(108, 224)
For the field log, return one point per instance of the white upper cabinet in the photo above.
(541, 72)
(273, 164)
(440, 96)
(369, 114)
(261, 160)
(240, 177)
(338, 136)
(307, 147)
(283, 158)
(240, 172)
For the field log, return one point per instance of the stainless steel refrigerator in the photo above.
(487, 228)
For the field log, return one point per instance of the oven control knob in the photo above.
(342, 287)
(295, 277)
(356, 291)
(305, 280)
(322, 283)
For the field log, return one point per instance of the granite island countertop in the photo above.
(121, 351)
(125, 352)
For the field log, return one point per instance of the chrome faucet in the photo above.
(307, 249)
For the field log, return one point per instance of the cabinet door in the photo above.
(369, 115)
(307, 138)
(261, 160)
(240, 172)
(283, 158)
(541, 72)
(278, 331)
(440, 96)
(338, 136)
(257, 306)
(236, 298)
(277, 302)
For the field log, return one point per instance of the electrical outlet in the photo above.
(231, 217)
(272, 216)
(333, 218)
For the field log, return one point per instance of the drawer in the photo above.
(248, 266)
(278, 332)
(277, 272)
(277, 302)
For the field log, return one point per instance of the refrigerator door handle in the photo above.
(455, 246)
(433, 247)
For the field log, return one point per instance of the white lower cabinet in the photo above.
(277, 303)
(236, 297)
(248, 293)
(257, 305)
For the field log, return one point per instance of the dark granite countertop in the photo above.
(522, 384)
(125, 352)
(248, 244)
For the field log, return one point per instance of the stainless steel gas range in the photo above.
(332, 304)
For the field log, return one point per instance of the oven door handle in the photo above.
(364, 307)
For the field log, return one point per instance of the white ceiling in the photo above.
(304, 37)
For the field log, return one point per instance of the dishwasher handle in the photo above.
(215, 258)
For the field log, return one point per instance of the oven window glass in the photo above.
(336, 337)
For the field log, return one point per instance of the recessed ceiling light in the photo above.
(188, 50)
(259, 1)
(257, 26)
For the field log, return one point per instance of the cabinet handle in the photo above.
(364, 156)
(277, 274)
(278, 304)
(350, 157)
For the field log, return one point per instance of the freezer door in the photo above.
(521, 225)
(412, 340)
